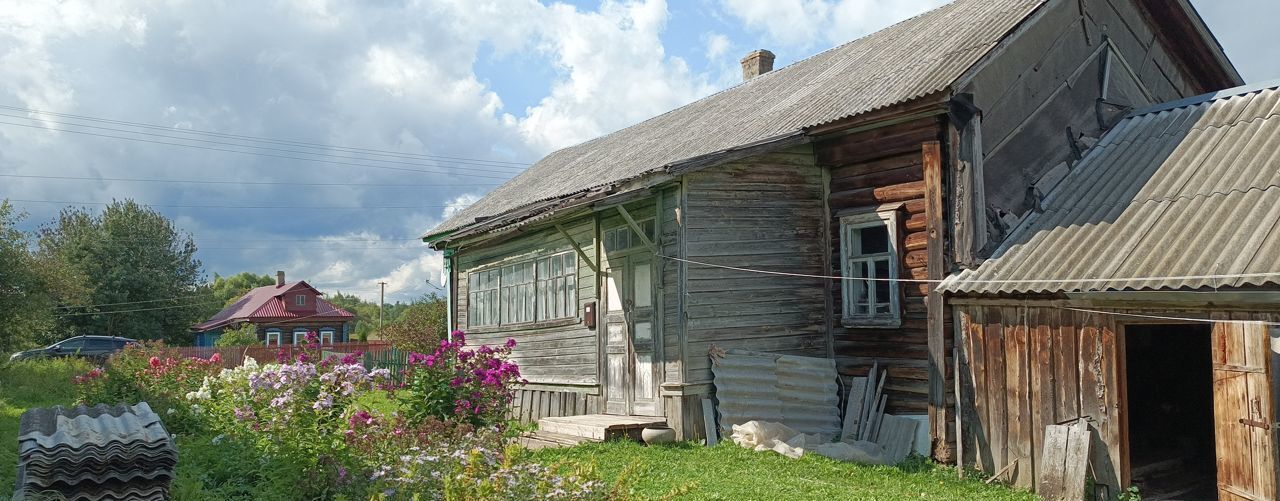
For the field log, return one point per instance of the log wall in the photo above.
(884, 166)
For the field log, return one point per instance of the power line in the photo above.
(255, 138)
(267, 183)
(134, 302)
(270, 155)
(137, 310)
(189, 206)
(507, 169)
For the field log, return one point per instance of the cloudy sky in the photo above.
(429, 103)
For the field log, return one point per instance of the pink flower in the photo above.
(511, 343)
(155, 362)
(216, 358)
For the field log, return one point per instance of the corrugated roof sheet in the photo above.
(1189, 189)
(917, 57)
(799, 392)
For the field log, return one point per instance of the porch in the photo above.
(572, 430)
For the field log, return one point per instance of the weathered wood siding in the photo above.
(868, 169)
(671, 284)
(1025, 365)
(530, 405)
(765, 212)
(1050, 78)
(556, 352)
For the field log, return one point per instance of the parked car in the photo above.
(96, 347)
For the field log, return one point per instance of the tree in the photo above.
(227, 290)
(244, 335)
(420, 326)
(143, 277)
(31, 288)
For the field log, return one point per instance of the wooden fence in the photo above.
(376, 354)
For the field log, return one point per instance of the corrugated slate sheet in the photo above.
(799, 392)
(1186, 189)
(102, 452)
(917, 57)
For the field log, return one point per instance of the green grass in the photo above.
(27, 384)
(732, 472)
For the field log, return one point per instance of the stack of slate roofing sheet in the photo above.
(101, 452)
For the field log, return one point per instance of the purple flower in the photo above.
(511, 343)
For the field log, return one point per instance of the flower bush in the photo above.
(473, 386)
(343, 430)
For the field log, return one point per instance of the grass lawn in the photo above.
(731, 472)
(24, 385)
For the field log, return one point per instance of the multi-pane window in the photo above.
(300, 299)
(557, 286)
(623, 237)
(539, 289)
(482, 298)
(517, 292)
(869, 263)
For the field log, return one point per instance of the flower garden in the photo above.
(313, 427)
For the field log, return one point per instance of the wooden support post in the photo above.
(933, 210)
(636, 228)
(577, 248)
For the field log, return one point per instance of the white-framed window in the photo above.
(869, 261)
(300, 299)
(623, 237)
(327, 335)
(543, 288)
(273, 335)
(299, 335)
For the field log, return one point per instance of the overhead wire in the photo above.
(255, 138)
(192, 206)
(506, 169)
(253, 183)
(270, 155)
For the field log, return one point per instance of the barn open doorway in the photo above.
(1169, 388)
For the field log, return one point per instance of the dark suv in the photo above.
(96, 347)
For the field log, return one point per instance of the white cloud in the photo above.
(806, 24)
(717, 45)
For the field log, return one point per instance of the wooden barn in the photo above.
(1142, 298)
(619, 262)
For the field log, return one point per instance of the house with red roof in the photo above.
(284, 313)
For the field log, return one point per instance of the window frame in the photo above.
(329, 332)
(279, 335)
(300, 300)
(496, 314)
(890, 218)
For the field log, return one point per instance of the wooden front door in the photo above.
(1244, 412)
(630, 347)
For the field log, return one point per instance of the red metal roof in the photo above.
(265, 303)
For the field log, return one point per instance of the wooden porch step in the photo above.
(544, 439)
(599, 427)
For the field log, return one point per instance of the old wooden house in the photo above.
(619, 262)
(1142, 297)
(283, 313)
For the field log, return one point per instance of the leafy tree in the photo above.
(228, 289)
(31, 288)
(420, 326)
(244, 335)
(141, 271)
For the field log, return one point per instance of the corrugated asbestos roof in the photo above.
(799, 392)
(917, 57)
(1191, 188)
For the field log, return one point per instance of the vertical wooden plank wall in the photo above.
(869, 169)
(1026, 367)
(531, 405)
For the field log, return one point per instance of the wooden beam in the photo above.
(578, 249)
(636, 228)
(937, 266)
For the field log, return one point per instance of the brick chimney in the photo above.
(279, 279)
(757, 63)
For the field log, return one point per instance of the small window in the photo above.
(482, 298)
(326, 335)
(558, 286)
(539, 289)
(870, 264)
(299, 335)
(273, 335)
(623, 237)
(300, 299)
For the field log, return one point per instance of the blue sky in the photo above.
(496, 81)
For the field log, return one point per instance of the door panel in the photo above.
(1243, 410)
(617, 353)
(630, 344)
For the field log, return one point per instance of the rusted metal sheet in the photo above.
(917, 57)
(1184, 195)
(800, 392)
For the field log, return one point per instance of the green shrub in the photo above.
(245, 335)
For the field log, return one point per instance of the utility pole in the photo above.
(382, 298)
